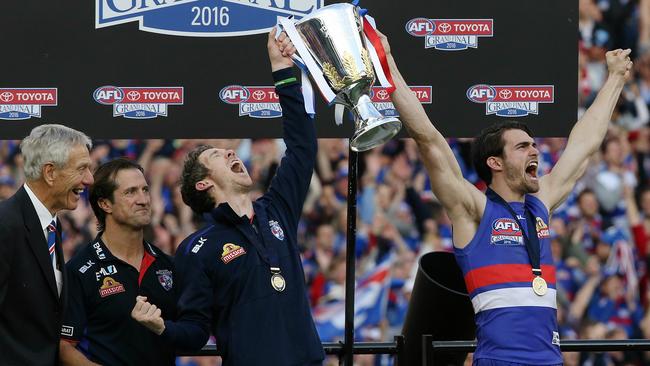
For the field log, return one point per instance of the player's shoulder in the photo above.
(195, 243)
(83, 260)
(158, 253)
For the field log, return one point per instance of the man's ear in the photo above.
(203, 185)
(48, 172)
(495, 163)
(105, 205)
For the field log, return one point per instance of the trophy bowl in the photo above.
(333, 35)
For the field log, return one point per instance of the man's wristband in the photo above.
(286, 81)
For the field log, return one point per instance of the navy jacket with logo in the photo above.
(102, 290)
(225, 283)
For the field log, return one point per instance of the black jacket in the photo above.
(102, 291)
(30, 307)
(224, 274)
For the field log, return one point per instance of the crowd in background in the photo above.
(599, 236)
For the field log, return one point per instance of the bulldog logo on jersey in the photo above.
(110, 287)
(165, 279)
(506, 231)
(276, 230)
(542, 229)
(230, 252)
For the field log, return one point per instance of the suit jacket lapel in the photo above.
(37, 242)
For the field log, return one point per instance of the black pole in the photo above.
(399, 350)
(426, 349)
(350, 258)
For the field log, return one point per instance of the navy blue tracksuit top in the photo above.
(224, 280)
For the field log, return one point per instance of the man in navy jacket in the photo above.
(241, 277)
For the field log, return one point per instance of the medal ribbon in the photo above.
(532, 242)
(268, 253)
(265, 248)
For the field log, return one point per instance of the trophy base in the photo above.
(375, 133)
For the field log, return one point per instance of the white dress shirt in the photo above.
(45, 218)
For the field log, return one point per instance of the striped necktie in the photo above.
(51, 240)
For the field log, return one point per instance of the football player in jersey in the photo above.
(501, 237)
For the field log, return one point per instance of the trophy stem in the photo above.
(371, 127)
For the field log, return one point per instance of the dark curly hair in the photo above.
(490, 143)
(194, 171)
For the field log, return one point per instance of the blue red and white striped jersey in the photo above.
(512, 323)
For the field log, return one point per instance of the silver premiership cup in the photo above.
(334, 37)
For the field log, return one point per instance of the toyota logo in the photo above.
(6, 96)
(259, 94)
(133, 95)
(505, 94)
(382, 94)
(444, 27)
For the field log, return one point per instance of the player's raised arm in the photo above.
(459, 197)
(587, 134)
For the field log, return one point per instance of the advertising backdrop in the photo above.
(199, 68)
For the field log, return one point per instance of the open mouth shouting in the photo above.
(531, 169)
(237, 167)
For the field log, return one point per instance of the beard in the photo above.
(519, 182)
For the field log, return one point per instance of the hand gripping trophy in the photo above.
(331, 44)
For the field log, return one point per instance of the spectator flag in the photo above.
(371, 296)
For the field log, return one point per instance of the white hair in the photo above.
(50, 144)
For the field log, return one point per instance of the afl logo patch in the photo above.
(506, 231)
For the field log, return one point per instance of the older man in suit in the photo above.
(32, 276)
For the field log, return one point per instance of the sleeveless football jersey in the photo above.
(512, 323)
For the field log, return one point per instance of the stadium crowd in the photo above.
(600, 235)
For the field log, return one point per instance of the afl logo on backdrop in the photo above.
(450, 34)
(201, 18)
(234, 94)
(253, 101)
(481, 93)
(511, 100)
(139, 102)
(420, 27)
(108, 95)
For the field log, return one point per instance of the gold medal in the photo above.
(277, 282)
(539, 286)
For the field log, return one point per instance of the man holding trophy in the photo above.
(509, 274)
(241, 278)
